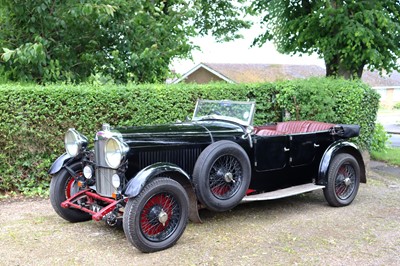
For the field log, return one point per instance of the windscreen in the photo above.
(239, 112)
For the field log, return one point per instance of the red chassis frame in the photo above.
(90, 196)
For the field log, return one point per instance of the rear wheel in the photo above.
(343, 180)
(62, 187)
(157, 217)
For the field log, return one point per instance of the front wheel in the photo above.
(343, 180)
(62, 187)
(157, 217)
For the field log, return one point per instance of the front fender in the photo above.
(335, 148)
(136, 184)
(59, 163)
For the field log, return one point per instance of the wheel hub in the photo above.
(229, 177)
(347, 181)
(163, 217)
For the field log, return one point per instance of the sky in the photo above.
(239, 51)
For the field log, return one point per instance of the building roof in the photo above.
(375, 80)
(253, 73)
(207, 67)
(248, 73)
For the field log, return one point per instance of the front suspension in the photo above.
(90, 197)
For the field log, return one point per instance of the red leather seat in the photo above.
(292, 127)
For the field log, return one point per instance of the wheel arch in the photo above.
(334, 149)
(62, 161)
(141, 179)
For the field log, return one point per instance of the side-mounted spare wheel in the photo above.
(343, 180)
(63, 186)
(156, 218)
(222, 175)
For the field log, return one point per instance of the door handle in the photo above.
(286, 149)
(316, 145)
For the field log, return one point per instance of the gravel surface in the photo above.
(301, 230)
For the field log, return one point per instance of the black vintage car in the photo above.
(152, 179)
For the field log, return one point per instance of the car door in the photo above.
(302, 149)
(270, 152)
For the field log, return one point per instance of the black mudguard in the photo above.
(337, 147)
(137, 183)
(64, 159)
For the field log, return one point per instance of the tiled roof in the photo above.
(375, 80)
(249, 73)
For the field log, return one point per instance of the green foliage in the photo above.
(72, 41)
(34, 119)
(331, 100)
(397, 106)
(295, 99)
(379, 139)
(220, 18)
(347, 34)
(389, 155)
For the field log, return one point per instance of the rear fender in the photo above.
(334, 149)
(137, 183)
(64, 159)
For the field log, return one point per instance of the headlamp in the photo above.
(74, 142)
(115, 151)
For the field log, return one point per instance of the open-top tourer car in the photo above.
(153, 178)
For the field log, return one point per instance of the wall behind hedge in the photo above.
(35, 118)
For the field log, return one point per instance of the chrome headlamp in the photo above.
(115, 151)
(74, 142)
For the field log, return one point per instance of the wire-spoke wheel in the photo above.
(225, 177)
(157, 217)
(62, 187)
(222, 175)
(343, 180)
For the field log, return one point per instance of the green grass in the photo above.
(390, 156)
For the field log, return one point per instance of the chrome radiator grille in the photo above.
(104, 186)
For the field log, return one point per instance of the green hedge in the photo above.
(34, 118)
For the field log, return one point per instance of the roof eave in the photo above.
(201, 65)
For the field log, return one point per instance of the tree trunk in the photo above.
(335, 68)
(332, 66)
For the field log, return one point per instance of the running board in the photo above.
(282, 193)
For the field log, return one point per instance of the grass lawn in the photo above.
(390, 156)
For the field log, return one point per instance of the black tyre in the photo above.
(63, 186)
(343, 180)
(222, 175)
(157, 217)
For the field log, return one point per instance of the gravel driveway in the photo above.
(300, 230)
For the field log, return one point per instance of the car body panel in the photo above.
(334, 149)
(59, 163)
(135, 185)
(178, 144)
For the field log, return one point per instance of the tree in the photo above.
(53, 40)
(347, 34)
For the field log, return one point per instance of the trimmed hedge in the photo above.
(35, 118)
